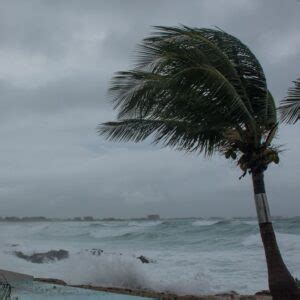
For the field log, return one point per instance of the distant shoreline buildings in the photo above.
(75, 219)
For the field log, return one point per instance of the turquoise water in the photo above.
(189, 256)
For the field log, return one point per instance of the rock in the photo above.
(51, 280)
(263, 293)
(230, 293)
(43, 257)
(95, 251)
(144, 259)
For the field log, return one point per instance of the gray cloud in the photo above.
(57, 58)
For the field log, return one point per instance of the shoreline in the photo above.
(156, 294)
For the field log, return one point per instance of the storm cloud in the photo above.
(56, 60)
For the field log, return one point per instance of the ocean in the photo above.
(186, 256)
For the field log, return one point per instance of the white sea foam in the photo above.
(252, 240)
(250, 222)
(205, 222)
(144, 223)
(107, 270)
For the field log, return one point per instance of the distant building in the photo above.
(88, 218)
(77, 219)
(153, 217)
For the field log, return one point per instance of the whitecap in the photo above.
(144, 223)
(205, 222)
(250, 222)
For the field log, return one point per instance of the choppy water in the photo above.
(190, 255)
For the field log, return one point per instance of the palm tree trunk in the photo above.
(281, 283)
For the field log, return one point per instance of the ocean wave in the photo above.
(252, 240)
(97, 225)
(111, 233)
(250, 222)
(286, 241)
(144, 223)
(145, 236)
(205, 222)
(224, 222)
(131, 230)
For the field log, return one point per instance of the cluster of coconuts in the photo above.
(230, 154)
(261, 158)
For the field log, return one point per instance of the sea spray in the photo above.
(109, 270)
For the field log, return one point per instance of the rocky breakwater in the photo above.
(43, 257)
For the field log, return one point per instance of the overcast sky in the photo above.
(56, 59)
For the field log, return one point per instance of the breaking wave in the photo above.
(204, 223)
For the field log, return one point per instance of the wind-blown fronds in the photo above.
(290, 106)
(181, 135)
(195, 90)
(230, 56)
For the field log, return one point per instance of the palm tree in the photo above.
(290, 106)
(204, 91)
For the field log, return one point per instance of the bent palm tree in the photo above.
(203, 90)
(290, 106)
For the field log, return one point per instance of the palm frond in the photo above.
(181, 135)
(192, 89)
(290, 106)
(271, 135)
(194, 93)
(247, 67)
(270, 112)
(229, 55)
(190, 40)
